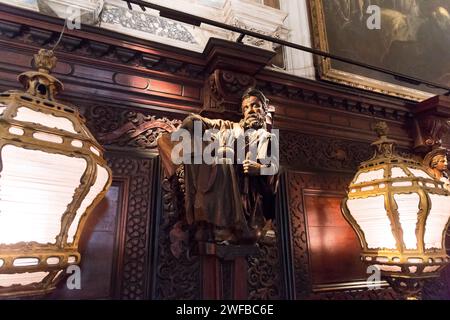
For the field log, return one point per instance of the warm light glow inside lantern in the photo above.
(52, 175)
(399, 212)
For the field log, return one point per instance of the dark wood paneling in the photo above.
(325, 249)
(333, 245)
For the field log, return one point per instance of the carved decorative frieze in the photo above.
(328, 100)
(122, 128)
(94, 49)
(146, 22)
(304, 151)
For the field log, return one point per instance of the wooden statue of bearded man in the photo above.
(230, 171)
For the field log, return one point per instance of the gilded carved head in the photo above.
(436, 161)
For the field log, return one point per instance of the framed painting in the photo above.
(412, 38)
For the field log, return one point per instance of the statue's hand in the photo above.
(252, 168)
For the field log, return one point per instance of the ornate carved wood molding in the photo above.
(135, 247)
(119, 128)
(178, 271)
(264, 272)
(431, 123)
(429, 131)
(117, 53)
(92, 49)
(306, 152)
(373, 107)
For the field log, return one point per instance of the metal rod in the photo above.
(196, 20)
(241, 37)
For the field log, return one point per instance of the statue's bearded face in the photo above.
(254, 113)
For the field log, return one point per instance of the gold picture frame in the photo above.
(321, 13)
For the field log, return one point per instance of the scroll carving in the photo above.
(264, 274)
(123, 128)
(178, 271)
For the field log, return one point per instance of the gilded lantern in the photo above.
(52, 175)
(399, 212)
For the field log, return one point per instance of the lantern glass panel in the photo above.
(370, 214)
(397, 172)
(30, 211)
(370, 176)
(47, 120)
(419, 173)
(99, 185)
(389, 268)
(408, 209)
(8, 280)
(438, 217)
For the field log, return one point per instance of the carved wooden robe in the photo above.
(223, 196)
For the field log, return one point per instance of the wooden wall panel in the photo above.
(325, 251)
(333, 245)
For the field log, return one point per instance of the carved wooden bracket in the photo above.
(229, 78)
(429, 131)
(431, 123)
(223, 91)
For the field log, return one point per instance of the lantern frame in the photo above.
(41, 88)
(400, 262)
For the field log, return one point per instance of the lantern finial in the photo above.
(384, 147)
(40, 83)
(381, 128)
(45, 60)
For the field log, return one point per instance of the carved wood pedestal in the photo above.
(225, 270)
